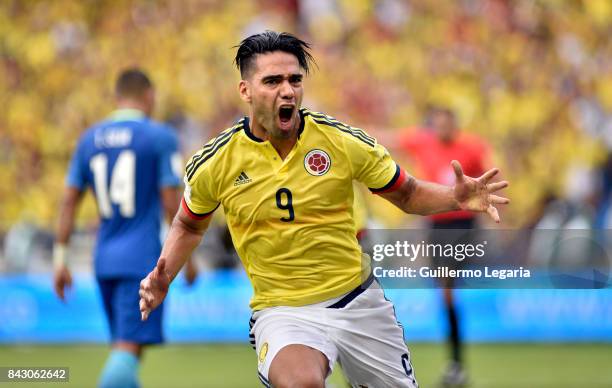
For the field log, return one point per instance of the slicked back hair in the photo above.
(270, 41)
(132, 83)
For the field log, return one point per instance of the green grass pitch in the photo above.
(234, 366)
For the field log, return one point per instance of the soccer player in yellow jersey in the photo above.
(284, 177)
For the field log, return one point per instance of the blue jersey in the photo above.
(126, 160)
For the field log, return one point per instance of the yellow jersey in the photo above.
(291, 220)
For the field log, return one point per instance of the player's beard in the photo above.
(280, 130)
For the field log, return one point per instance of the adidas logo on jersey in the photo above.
(242, 179)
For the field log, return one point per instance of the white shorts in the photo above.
(358, 330)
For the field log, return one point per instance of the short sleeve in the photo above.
(77, 170)
(199, 198)
(169, 160)
(372, 165)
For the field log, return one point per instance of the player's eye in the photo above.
(271, 81)
(296, 79)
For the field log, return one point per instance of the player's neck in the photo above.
(133, 104)
(282, 145)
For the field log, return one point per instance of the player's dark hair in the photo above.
(270, 41)
(132, 83)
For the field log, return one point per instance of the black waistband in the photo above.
(348, 298)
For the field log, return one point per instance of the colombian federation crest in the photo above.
(317, 162)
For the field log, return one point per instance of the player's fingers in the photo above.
(59, 290)
(146, 296)
(493, 187)
(58, 285)
(144, 315)
(458, 169)
(145, 284)
(492, 212)
(486, 177)
(144, 309)
(497, 200)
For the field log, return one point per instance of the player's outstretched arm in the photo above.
(184, 236)
(474, 194)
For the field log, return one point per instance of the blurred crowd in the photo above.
(533, 77)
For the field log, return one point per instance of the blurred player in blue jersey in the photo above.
(129, 161)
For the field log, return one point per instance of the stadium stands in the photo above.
(530, 77)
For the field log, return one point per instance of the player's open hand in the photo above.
(476, 194)
(62, 279)
(153, 289)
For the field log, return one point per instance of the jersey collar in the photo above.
(247, 130)
(302, 122)
(125, 114)
(247, 127)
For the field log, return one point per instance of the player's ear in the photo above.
(244, 88)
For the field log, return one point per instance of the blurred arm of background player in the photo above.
(171, 198)
(184, 236)
(62, 277)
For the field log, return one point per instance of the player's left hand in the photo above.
(153, 289)
(476, 194)
(62, 279)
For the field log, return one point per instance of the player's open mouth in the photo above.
(285, 114)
